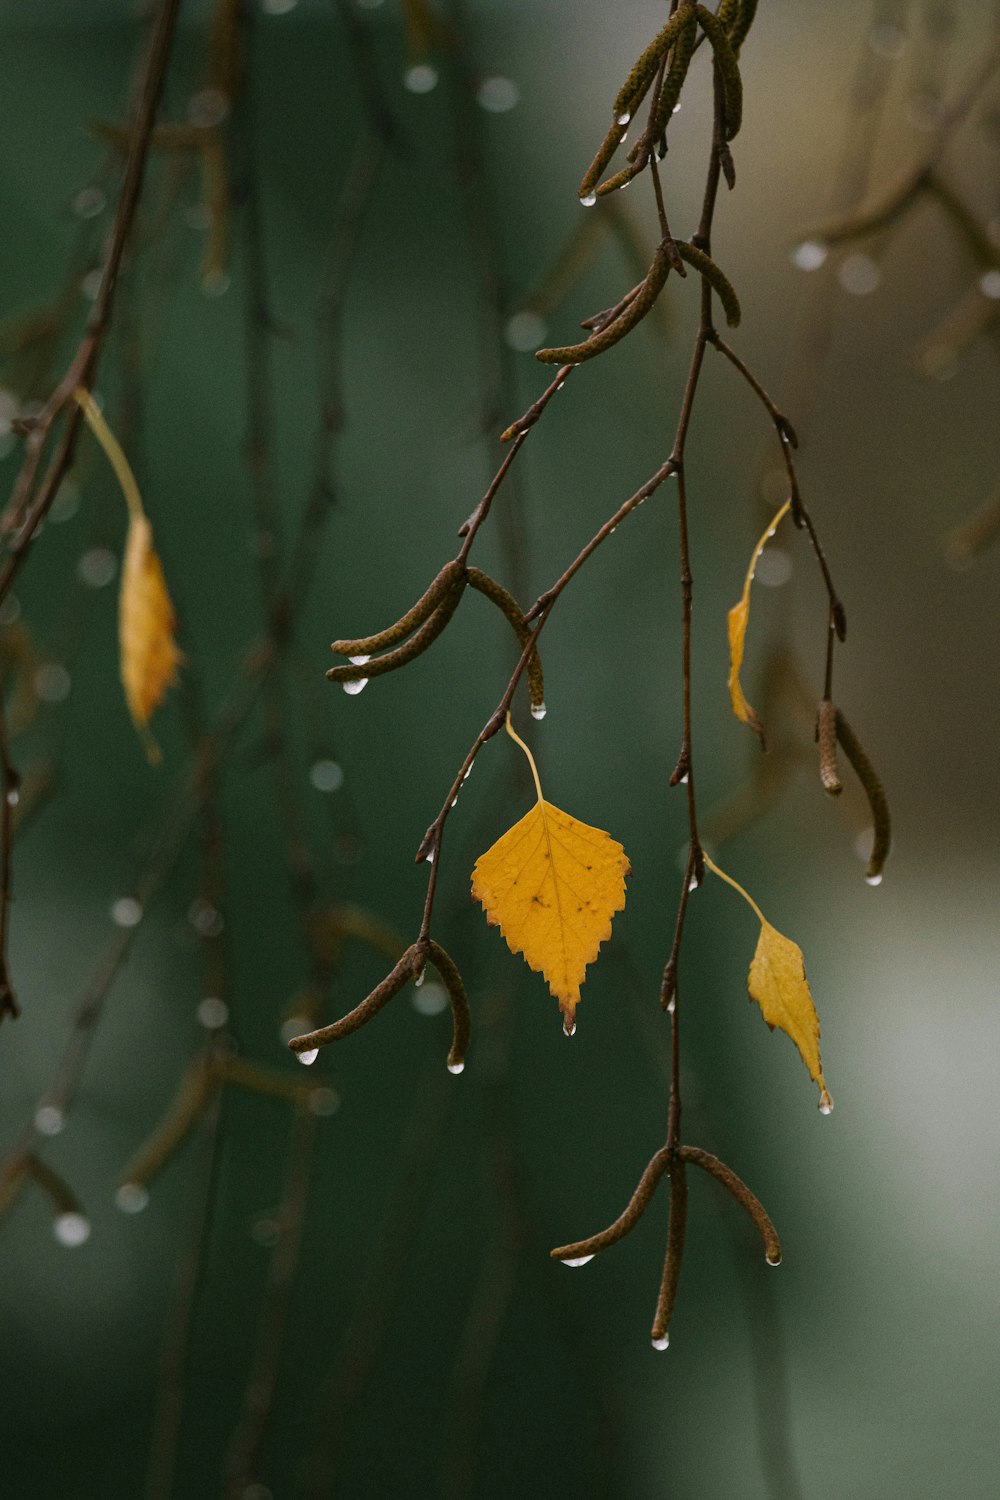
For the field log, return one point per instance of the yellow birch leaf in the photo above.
(552, 884)
(739, 616)
(148, 653)
(777, 981)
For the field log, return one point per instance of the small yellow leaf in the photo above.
(552, 885)
(777, 981)
(149, 653)
(739, 616)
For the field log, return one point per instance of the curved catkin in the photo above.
(640, 305)
(605, 152)
(719, 282)
(414, 647)
(415, 616)
(636, 85)
(729, 70)
(390, 986)
(875, 793)
(745, 12)
(676, 1227)
(670, 93)
(461, 1019)
(739, 1190)
(637, 1205)
(826, 738)
(508, 605)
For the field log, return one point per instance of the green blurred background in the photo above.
(430, 1346)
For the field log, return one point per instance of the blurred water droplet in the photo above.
(886, 39)
(588, 199)
(278, 7)
(429, 857)
(89, 202)
(326, 776)
(685, 779)
(468, 772)
(131, 1198)
(859, 275)
(671, 1005)
(420, 79)
(456, 1068)
(810, 255)
(693, 883)
(662, 1343)
(265, 1231)
(90, 284)
(497, 95)
(97, 567)
(989, 284)
(126, 912)
(623, 119)
(431, 1000)
(212, 1013)
(215, 283)
(308, 1058)
(323, 1103)
(524, 331)
(49, 1119)
(538, 710)
(207, 108)
(581, 1260)
(295, 1026)
(71, 1229)
(52, 683)
(773, 568)
(206, 919)
(13, 797)
(352, 689)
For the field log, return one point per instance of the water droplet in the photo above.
(429, 857)
(131, 1198)
(809, 256)
(773, 1260)
(52, 683)
(612, 531)
(580, 1260)
(623, 119)
(693, 883)
(352, 689)
(497, 95)
(524, 331)
(308, 1058)
(671, 1005)
(989, 284)
(215, 283)
(97, 567)
(418, 979)
(420, 79)
(90, 284)
(265, 1231)
(71, 1229)
(569, 1026)
(561, 384)
(89, 202)
(207, 108)
(662, 1343)
(126, 912)
(873, 879)
(773, 568)
(588, 200)
(538, 710)
(456, 1068)
(685, 779)
(859, 275)
(326, 776)
(206, 919)
(431, 999)
(323, 1103)
(358, 661)
(468, 772)
(279, 7)
(825, 1103)
(13, 797)
(49, 1119)
(212, 1013)
(454, 802)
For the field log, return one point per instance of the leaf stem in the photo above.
(736, 887)
(531, 759)
(112, 451)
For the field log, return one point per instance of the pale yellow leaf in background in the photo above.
(149, 653)
(552, 884)
(777, 981)
(739, 616)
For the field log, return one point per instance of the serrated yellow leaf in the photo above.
(552, 884)
(149, 654)
(777, 981)
(738, 619)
